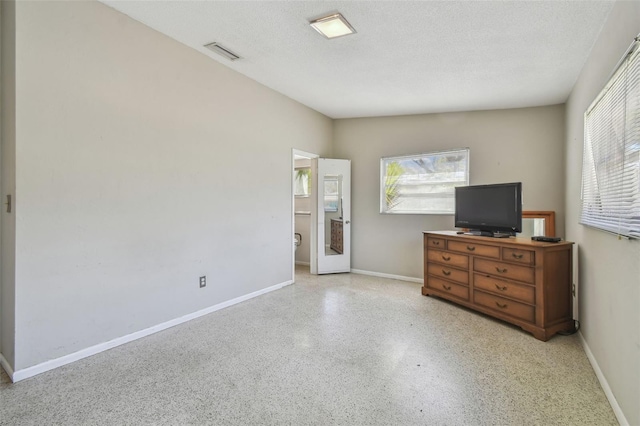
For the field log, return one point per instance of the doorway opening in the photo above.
(304, 211)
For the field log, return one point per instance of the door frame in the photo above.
(313, 231)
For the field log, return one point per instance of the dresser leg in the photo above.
(540, 335)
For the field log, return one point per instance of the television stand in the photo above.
(488, 233)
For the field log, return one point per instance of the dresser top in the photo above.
(501, 241)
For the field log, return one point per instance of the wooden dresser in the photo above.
(337, 244)
(524, 282)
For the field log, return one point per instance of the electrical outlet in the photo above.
(203, 281)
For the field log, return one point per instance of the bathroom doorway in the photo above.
(304, 211)
(321, 214)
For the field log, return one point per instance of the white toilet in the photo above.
(297, 240)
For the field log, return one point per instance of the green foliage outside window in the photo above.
(303, 180)
(392, 192)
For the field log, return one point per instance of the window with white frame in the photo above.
(423, 183)
(302, 182)
(611, 157)
(331, 193)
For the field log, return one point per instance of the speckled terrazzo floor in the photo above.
(338, 349)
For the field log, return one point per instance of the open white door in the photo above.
(334, 216)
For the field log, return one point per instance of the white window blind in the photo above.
(611, 157)
(422, 183)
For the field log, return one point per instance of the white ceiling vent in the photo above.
(223, 51)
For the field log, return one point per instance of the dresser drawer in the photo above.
(506, 306)
(446, 258)
(475, 249)
(449, 273)
(437, 243)
(509, 289)
(521, 256)
(459, 291)
(504, 270)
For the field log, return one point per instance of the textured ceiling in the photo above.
(408, 57)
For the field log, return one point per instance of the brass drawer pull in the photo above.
(501, 306)
(435, 243)
(503, 288)
(446, 258)
(502, 271)
(517, 256)
(471, 248)
(446, 288)
(447, 273)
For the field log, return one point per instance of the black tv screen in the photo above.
(490, 208)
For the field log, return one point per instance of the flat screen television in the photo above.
(491, 210)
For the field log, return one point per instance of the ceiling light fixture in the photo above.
(332, 26)
(221, 50)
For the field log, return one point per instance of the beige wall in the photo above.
(135, 158)
(608, 269)
(517, 145)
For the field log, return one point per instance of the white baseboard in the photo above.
(605, 385)
(394, 277)
(101, 347)
(298, 262)
(6, 366)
